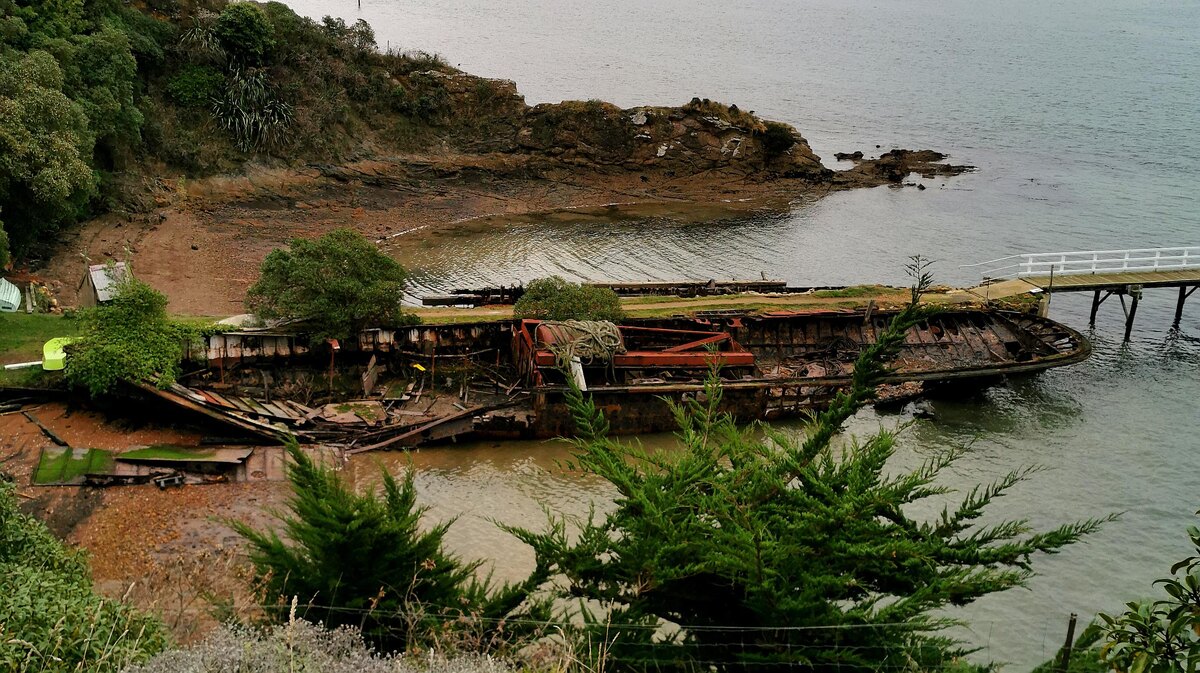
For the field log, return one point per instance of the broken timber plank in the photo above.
(45, 431)
(227, 417)
(421, 433)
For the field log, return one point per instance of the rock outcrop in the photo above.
(490, 116)
(696, 137)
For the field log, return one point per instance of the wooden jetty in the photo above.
(1104, 273)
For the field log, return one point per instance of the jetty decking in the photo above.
(1103, 272)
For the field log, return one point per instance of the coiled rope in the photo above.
(588, 340)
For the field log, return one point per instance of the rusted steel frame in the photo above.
(664, 359)
(664, 330)
(956, 336)
(976, 340)
(1059, 360)
(692, 345)
(443, 356)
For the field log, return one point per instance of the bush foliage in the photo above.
(364, 560)
(303, 647)
(196, 86)
(338, 284)
(767, 550)
(244, 33)
(50, 618)
(1163, 635)
(554, 298)
(129, 339)
(777, 139)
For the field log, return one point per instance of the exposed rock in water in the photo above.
(848, 156)
(894, 166)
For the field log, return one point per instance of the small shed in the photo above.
(10, 297)
(100, 284)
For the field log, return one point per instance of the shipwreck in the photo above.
(401, 388)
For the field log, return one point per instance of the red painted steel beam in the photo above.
(663, 359)
(692, 345)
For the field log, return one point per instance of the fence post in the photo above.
(1065, 662)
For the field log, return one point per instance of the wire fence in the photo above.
(883, 647)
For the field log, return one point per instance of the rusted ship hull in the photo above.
(802, 360)
(504, 379)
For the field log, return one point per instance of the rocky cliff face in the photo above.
(491, 116)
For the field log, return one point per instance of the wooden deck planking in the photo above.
(1102, 280)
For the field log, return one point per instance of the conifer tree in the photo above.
(363, 560)
(751, 549)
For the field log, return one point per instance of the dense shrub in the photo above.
(338, 284)
(367, 561)
(50, 618)
(554, 298)
(777, 139)
(244, 33)
(129, 339)
(251, 111)
(196, 86)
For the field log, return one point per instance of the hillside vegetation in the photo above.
(100, 100)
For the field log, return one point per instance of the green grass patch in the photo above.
(35, 377)
(60, 465)
(22, 334)
(763, 307)
(166, 452)
(855, 291)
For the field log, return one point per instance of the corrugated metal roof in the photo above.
(105, 279)
(10, 297)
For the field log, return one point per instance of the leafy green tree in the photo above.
(45, 147)
(364, 560)
(50, 618)
(1163, 635)
(129, 339)
(339, 284)
(100, 75)
(5, 257)
(49, 18)
(752, 549)
(244, 33)
(554, 298)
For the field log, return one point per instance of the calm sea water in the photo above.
(1082, 118)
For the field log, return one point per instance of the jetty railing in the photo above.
(1090, 262)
